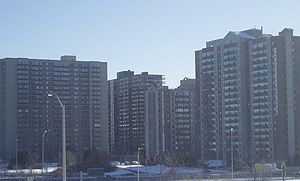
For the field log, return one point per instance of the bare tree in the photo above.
(72, 159)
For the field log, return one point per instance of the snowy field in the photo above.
(147, 172)
(129, 173)
(30, 171)
(160, 169)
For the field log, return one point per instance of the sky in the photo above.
(155, 36)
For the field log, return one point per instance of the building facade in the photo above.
(263, 111)
(158, 123)
(222, 93)
(27, 111)
(274, 96)
(248, 81)
(111, 112)
(183, 120)
(129, 112)
(170, 122)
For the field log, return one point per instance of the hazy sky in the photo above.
(158, 36)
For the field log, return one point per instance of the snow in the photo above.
(27, 171)
(159, 169)
(118, 172)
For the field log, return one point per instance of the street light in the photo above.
(64, 161)
(138, 158)
(43, 149)
(43, 146)
(231, 130)
(16, 154)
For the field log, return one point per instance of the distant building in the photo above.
(111, 116)
(158, 123)
(127, 100)
(263, 111)
(248, 81)
(27, 111)
(222, 95)
(274, 84)
(183, 120)
(170, 121)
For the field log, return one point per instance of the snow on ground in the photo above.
(27, 171)
(153, 170)
(190, 170)
(118, 172)
(158, 169)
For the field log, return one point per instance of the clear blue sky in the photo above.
(158, 36)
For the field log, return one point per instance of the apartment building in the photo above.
(222, 96)
(274, 96)
(249, 81)
(27, 110)
(129, 110)
(170, 122)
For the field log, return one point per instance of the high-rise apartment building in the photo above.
(263, 85)
(183, 119)
(292, 79)
(158, 122)
(170, 121)
(274, 96)
(129, 111)
(222, 95)
(27, 111)
(249, 81)
(111, 116)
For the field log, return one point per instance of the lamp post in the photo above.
(43, 149)
(16, 154)
(64, 161)
(138, 159)
(231, 138)
(43, 152)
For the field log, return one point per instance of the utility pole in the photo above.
(138, 159)
(283, 171)
(43, 151)
(231, 130)
(64, 155)
(16, 154)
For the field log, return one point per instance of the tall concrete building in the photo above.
(249, 81)
(128, 115)
(292, 79)
(274, 95)
(111, 116)
(263, 85)
(27, 111)
(222, 95)
(183, 120)
(170, 121)
(158, 122)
